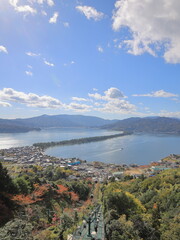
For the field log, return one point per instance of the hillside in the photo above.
(40, 203)
(8, 126)
(47, 121)
(143, 208)
(136, 125)
(147, 125)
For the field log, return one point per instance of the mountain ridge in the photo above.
(147, 125)
(133, 124)
(48, 121)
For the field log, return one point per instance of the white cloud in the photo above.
(100, 49)
(53, 19)
(113, 102)
(96, 96)
(30, 99)
(165, 113)
(119, 106)
(79, 99)
(5, 104)
(31, 54)
(3, 49)
(153, 25)
(79, 107)
(48, 63)
(22, 8)
(160, 93)
(41, 2)
(111, 93)
(90, 12)
(50, 3)
(29, 73)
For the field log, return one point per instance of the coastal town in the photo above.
(24, 157)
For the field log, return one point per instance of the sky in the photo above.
(112, 59)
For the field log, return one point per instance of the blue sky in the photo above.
(112, 59)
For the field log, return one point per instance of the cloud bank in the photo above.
(30, 99)
(153, 26)
(112, 101)
(160, 93)
(22, 8)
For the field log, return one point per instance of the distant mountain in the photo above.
(47, 121)
(147, 125)
(8, 126)
(137, 125)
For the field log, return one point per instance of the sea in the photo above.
(138, 149)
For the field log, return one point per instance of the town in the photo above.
(97, 171)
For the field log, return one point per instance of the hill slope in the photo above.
(46, 121)
(140, 125)
(147, 125)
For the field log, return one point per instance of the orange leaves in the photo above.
(39, 193)
(40, 190)
(155, 206)
(74, 197)
(64, 190)
(22, 199)
(36, 196)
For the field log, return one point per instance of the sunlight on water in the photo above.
(140, 149)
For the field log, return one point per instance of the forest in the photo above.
(43, 204)
(45, 145)
(142, 208)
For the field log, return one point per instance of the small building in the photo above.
(118, 174)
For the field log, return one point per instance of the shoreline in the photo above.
(78, 141)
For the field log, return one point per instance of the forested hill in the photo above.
(140, 125)
(6, 126)
(47, 121)
(143, 208)
(147, 125)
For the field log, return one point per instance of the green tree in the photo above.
(23, 185)
(16, 229)
(81, 188)
(6, 183)
(123, 203)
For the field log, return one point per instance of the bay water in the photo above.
(137, 149)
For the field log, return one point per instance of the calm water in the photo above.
(140, 149)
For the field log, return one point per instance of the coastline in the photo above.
(46, 145)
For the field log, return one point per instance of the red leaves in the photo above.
(64, 190)
(39, 193)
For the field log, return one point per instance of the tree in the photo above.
(16, 229)
(121, 229)
(6, 183)
(123, 203)
(81, 188)
(22, 185)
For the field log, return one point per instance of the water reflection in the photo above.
(124, 150)
(140, 149)
(8, 140)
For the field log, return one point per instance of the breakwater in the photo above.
(45, 145)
